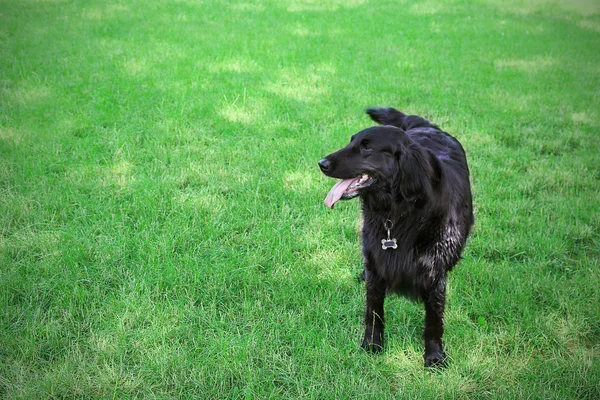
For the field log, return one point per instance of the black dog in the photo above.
(413, 181)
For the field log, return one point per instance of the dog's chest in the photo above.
(404, 250)
(390, 248)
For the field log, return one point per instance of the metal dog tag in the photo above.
(389, 243)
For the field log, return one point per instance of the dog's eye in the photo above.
(365, 145)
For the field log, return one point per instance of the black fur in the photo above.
(421, 184)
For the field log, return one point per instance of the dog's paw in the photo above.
(372, 346)
(436, 359)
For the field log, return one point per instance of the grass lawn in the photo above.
(162, 226)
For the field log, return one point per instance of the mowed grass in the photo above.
(162, 231)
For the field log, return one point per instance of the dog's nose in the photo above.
(325, 165)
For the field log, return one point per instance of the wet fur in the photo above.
(422, 186)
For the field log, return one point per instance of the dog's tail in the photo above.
(387, 116)
(391, 116)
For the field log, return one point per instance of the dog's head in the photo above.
(381, 158)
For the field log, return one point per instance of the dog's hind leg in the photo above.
(434, 325)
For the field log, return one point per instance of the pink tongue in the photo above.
(337, 191)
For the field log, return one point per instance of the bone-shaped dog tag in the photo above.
(389, 243)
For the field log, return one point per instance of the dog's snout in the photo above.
(325, 165)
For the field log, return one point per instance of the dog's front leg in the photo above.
(434, 326)
(376, 288)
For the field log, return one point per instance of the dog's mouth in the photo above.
(347, 189)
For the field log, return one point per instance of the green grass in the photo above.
(162, 231)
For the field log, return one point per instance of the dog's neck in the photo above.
(390, 207)
(380, 212)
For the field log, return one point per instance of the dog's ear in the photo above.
(386, 116)
(417, 172)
